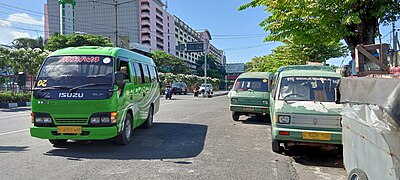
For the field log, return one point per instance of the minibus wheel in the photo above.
(235, 116)
(58, 141)
(357, 174)
(126, 135)
(150, 117)
(276, 146)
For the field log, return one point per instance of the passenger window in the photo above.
(153, 74)
(155, 70)
(139, 73)
(124, 68)
(146, 74)
(133, 72)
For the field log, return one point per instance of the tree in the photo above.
(27, 60)
(326, 22)
(215, 70)
(28, 43)
(169, 63)
(292, 54)
(59, 41)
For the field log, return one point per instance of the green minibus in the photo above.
(94, 93)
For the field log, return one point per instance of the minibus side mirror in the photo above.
(337, 94)
(119, 79)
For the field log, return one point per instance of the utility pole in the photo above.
(115, 4)
(395, 64)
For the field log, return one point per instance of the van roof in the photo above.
(315, 73)
(255, 75)
(305, 67)
(103, 51)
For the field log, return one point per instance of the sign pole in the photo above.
(205, 68)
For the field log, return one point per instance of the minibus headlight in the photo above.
(284, 119)
(39, 119)
(47, 120)
(95, 120)
(234, 100)
(265, 101)
(105, 120)
(42, 119)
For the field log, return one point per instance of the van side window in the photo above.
(139, 73)
(155, 70)
(133, 72)
(146, 74)
(153, 74)
(124, 68)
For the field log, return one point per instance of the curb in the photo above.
(220, 94)
(13, 105)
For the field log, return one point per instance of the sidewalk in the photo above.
(220, 93)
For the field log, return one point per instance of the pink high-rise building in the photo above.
(157, 27)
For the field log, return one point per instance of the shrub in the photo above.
(10, 97)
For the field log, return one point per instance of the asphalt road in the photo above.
(192, 138)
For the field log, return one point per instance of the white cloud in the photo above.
(7, 34)
(25, 19)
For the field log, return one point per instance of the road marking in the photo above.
(12, 132)
(20, 115)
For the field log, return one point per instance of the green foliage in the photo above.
(10, 97)
(291, 54)
(23, 60)
(59, 41)
(169, 63)
(326, 22)
(28, 43)
(215, 70)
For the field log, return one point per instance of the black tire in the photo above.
(58, 141)
(276, 146)
(185, 93)
(150, 117)
(235, 116)
(125, 136)
(357, 174)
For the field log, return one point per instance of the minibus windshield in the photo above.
(85, 71)
(320, 89)
(251, 84)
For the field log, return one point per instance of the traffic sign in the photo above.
(195, 47)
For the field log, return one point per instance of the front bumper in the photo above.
(296, 136)
(250, 109)
(88, 133)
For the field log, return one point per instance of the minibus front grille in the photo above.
(71, 120)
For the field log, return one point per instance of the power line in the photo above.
(247, 47)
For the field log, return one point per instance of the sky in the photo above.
(236, 32)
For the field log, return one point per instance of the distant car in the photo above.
(206, 87)
(179, 88)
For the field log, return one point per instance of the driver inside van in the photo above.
(296, 90)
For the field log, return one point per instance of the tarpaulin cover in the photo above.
(371, 132)
(384, 92)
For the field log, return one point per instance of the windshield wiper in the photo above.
(51, 87)
(87, 85)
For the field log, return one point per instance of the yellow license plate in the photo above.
(248, 109)
(69, 129)
(316, 136)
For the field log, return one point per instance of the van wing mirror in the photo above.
(337, 94)
(119, 79)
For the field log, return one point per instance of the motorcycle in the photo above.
(168, 93)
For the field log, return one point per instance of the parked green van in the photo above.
(94, 93)
(303, 108)
(250, 95)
